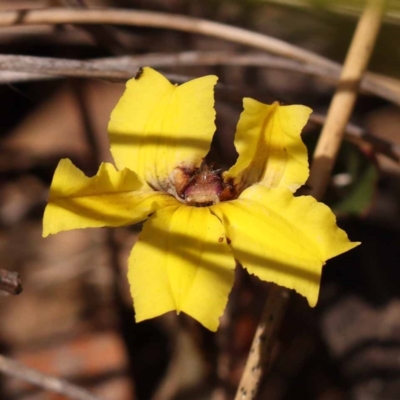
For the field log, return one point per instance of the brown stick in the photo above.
(345, 97)
(159, 20)
(10, 282)
(260, 356)
(15, 68)
(355, 65)
(182, 23)
(126, 66)
(358, 136)
(16, 370)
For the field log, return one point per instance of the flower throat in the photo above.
(205, 187)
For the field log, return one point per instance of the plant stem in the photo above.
(260, 357)
(16, 370)
(54, 16)
(345, 97)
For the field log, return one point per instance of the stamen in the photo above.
(203, 187)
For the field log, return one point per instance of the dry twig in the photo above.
(16, 68)
(345, 96)
(373, 83)
(16, 370)
(20, 68)
(359, 136)
(260, 356)
(126, 66)
(325, 155)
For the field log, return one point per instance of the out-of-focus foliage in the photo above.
(344, 7)
(361, 176)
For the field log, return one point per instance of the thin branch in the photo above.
(260, 356)
(358, 135)
(345, 97)
(126, 66)
(16, 370)
(62, 67)
(10, 77)
(17, 68)
(372, 82)
(161, 20)
(10, 282)
(357, 58)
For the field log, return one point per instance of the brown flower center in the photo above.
(204, 187)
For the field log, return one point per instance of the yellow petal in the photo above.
(157, 126)
(282, 238)
(111, 198)
(270, 147)
(182, 262)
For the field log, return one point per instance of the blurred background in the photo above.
(74, 318)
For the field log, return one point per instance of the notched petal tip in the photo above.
(156, 126)
(269, 144)
(281, 238)
(110, 198)
(180, 264)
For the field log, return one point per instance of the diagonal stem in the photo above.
(345, 97)
(57, 385)
(260, 357)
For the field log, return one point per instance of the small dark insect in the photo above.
(139, 73)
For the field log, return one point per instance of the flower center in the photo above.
(205, 187)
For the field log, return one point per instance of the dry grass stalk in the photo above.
(53, 16)
(51, 383)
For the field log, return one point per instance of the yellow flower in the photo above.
(199, 220)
